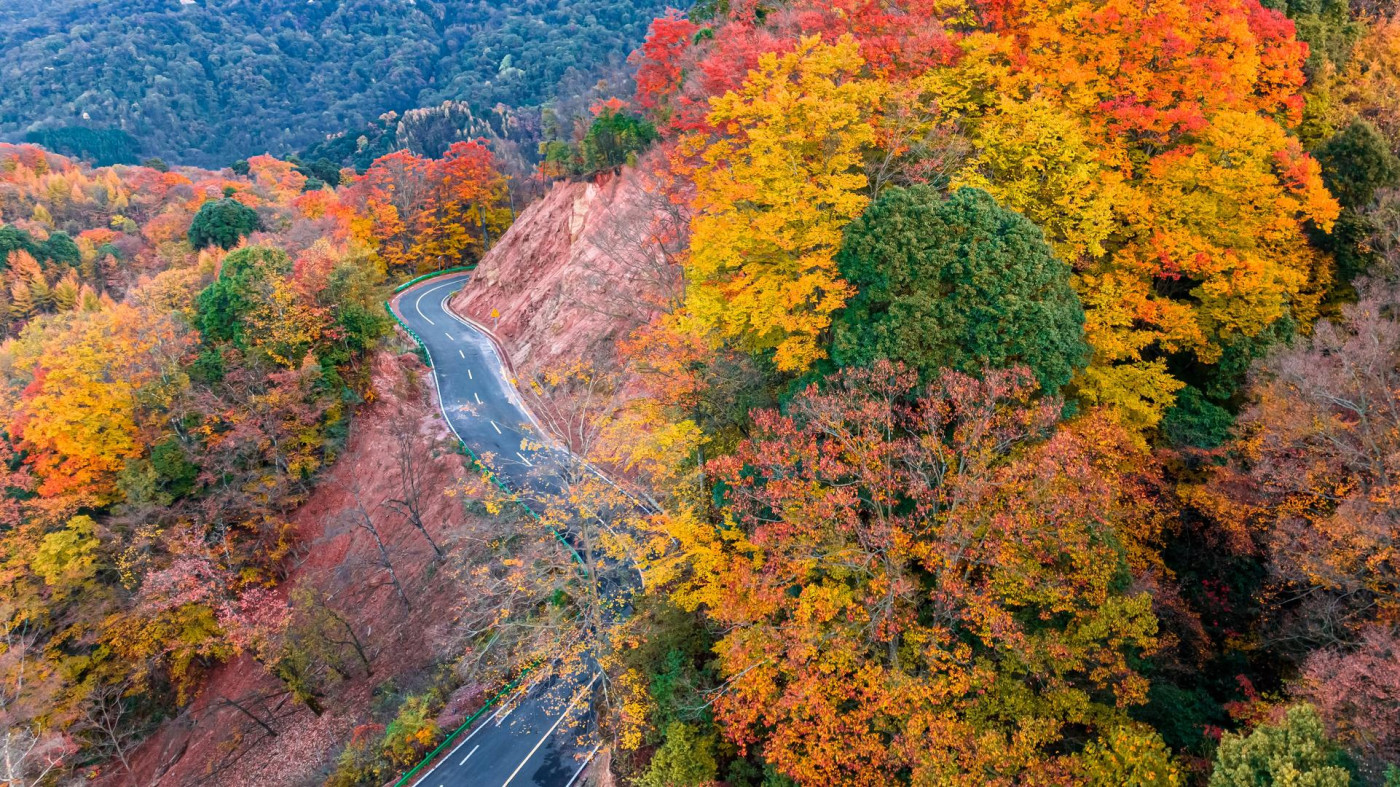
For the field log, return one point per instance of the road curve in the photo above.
(541, 738)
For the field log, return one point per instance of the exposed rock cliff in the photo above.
(578, 270)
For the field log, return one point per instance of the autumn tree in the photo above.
(110, 724)
(466, 193)
(429, 214)
(917, 582)
(1310, 480)
(1355, 690)
(1295, 749)
(223, 223)
(1150, 143)
(773, 192)
(88, 378)
(958, 284)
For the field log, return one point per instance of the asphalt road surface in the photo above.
(546, 736)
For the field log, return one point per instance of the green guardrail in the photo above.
(422, 348)
(426, 276)
(472, 719)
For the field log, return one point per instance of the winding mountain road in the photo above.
(542, 738)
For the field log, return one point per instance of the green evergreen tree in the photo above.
(15, 239)
(1356, 163)
(686, 758)
(614, 139)
(961, 283)
(223, 222)
(61, 248)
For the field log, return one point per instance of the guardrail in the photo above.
(426, 276)
(472, 719)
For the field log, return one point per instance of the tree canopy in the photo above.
(208, 83)
(223, 223)
(961, 283)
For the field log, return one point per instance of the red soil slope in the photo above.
(578, 270)
(212, 735)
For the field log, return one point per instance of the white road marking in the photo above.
(523, 459)
(503, 716)
(419, 309)
(498, 429)
(469, 371)
(464, 355)
(470, 735)
(586, 760)
(552, 728)
(449, 336)
(477, 398)
(470, 753)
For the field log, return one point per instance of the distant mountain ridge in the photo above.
(208, 82)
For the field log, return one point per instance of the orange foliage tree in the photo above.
(1149, 142)
(917, 583)
(1314, 476)
(430, 214)
(90, 376)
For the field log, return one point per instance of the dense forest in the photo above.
(210, 82)
(1023, 412)
(185, 350)
(1012, 386)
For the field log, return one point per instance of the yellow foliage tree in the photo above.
(77, 415)
(1173, 188)
(774, 189)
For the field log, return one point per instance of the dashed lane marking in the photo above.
(545, 737)
(469, 754)
(497, 428)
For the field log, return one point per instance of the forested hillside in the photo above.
(184, 352)
(1013, 387)
(1018, 391)
(209, 82)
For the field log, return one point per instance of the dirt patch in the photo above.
(244, 729)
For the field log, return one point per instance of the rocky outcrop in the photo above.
(578, 270)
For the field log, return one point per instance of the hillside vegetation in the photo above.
(1016, 383)
(209, 82)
